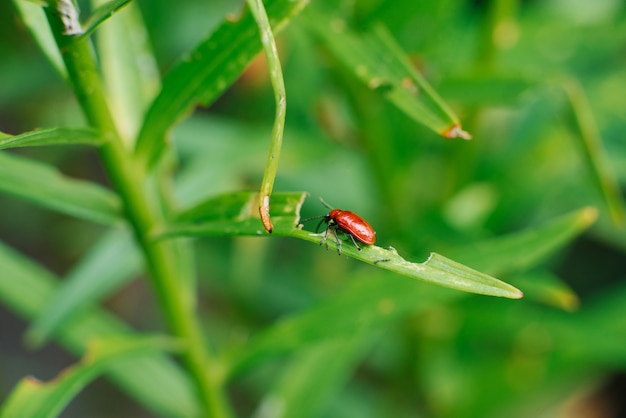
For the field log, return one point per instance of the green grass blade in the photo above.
(102, 13)
(207, 72)
(234, 215)
(43, 185)
(34, 399)
(34, 18)
(523, 250)
(52, 136)
(376, 59)
(548, 289)
(595, 155)
(153, 379)
(112, 262)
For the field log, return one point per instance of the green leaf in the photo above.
(34, 399)
(376, 59)
(549, 289)
(236, 214)
(35, 20)
(593, 151)
(153, 379)
(364, 306)
(52, 136)
(43, 185)
(523, 250)
(112, 262)
(207, 72)
(101, 14)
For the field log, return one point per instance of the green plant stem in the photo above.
(143, 215)
(276, 76)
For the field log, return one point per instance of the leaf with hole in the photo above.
(235, 215)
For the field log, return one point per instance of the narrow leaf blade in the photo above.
(437, 269)
(34, 18)
(235, 215)
(52, 136)
(377, 60)
(594, 153)
(549, 289)
(101, 14)
(523, 250)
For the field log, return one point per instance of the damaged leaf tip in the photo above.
(455, 131)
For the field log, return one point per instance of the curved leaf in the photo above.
(207, 72)
(525, 249)
(376, 59)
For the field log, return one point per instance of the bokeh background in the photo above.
(501, 65)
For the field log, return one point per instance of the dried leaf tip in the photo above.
(455, 131)
(264, 211)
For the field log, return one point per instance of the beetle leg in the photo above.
(324, 238)
(354, 241)
(337, 241)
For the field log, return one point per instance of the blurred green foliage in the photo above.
(304, 333)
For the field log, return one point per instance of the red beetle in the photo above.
(347, 222)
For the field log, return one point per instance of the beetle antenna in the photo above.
(325, 204)
(311, 218)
